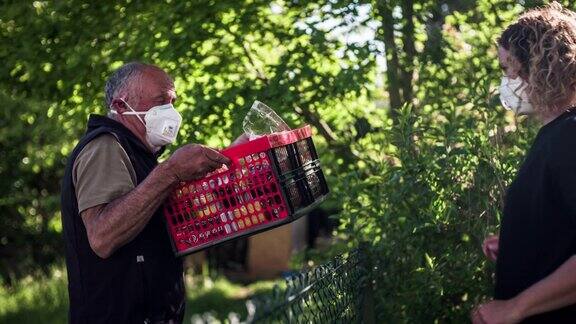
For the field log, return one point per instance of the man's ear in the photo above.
(119, 105)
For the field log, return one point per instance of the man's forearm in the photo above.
(553, 292)
(119, 221)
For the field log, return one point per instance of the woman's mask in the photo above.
(514, 97)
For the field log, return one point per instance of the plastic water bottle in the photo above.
(262, 120)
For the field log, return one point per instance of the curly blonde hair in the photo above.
(544, 42)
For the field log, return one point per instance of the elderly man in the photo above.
(121, 268)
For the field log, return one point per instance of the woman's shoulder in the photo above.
(565, 128)
(561, 138)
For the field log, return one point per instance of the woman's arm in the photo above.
(553, 292)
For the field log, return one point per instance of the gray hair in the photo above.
(121, 78)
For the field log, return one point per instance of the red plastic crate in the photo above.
(271, 181)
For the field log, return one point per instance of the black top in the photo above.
(142, 280)
(538, 230)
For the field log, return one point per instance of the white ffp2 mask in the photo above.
(514, 97)
(162, 124)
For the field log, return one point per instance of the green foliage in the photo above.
(222, 55)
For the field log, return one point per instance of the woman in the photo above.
(535, 252)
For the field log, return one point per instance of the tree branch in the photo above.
(321, 125)
(246, 49)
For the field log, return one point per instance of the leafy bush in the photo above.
(431, 189)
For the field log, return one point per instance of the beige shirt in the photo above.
(102, 172)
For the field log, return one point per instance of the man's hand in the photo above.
(497, 312)
(194, 161)
(490, 247)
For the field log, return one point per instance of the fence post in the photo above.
(367, 306)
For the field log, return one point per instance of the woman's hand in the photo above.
(497, 311)
(490, 247)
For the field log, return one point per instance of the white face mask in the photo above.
(162, 124)
(514, 97)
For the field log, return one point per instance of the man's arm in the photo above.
(114, 224)
(110, 226)
(553, 292)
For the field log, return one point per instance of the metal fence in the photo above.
(338, 291)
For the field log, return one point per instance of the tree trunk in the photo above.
(407, 66)
(392, 62)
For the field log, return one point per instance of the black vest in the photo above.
(142, 280)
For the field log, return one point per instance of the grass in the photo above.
(36, 299)
(42, 299)
(220, 297)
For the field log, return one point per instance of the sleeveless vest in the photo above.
(141, 281)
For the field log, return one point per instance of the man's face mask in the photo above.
(162, 124)
(514, 97)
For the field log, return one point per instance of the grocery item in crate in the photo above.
(261, 120)
(271, 181)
